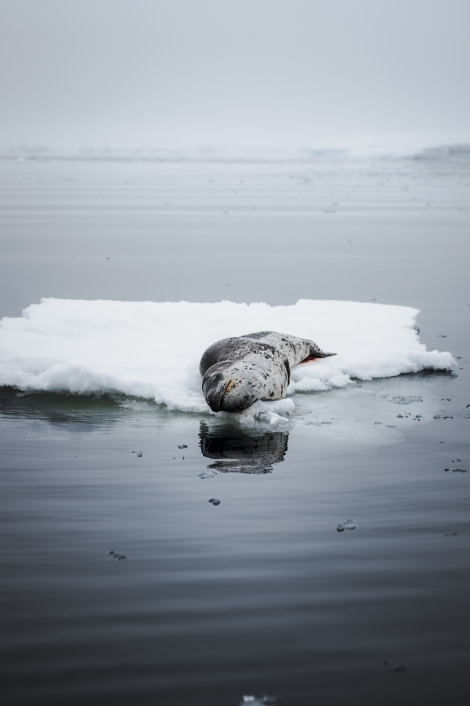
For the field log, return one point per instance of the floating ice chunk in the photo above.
(273, 414)
(394, 666)
(403, 399)
(348, 525)
(151, 350)
(116, 555)
(207, 474)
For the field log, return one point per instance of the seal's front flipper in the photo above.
(287, 364)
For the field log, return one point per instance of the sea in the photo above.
(314, 550)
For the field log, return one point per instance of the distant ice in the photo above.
(151, 350)
(426, 146)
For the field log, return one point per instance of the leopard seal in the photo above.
(238, 371)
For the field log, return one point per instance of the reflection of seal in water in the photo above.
(239, 371)
(243, 451)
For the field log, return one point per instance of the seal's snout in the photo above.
(224, 391)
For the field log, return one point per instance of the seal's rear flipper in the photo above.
(318, 354)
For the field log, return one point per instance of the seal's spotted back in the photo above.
(238, 371)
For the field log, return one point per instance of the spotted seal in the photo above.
(238, 371)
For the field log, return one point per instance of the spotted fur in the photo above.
(238, 371)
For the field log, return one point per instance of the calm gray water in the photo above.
(121, 583)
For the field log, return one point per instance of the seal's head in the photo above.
(226, 390)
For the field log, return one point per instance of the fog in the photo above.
(176, 73)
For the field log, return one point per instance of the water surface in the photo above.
(121, 582)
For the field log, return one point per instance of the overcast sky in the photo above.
(162, 73)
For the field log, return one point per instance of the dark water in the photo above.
(121, 583)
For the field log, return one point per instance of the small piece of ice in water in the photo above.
(115, 555)
(207, 474)
(348, 525)
(404, 399)
(394, 666)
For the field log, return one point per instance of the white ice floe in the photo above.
(152, 349)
